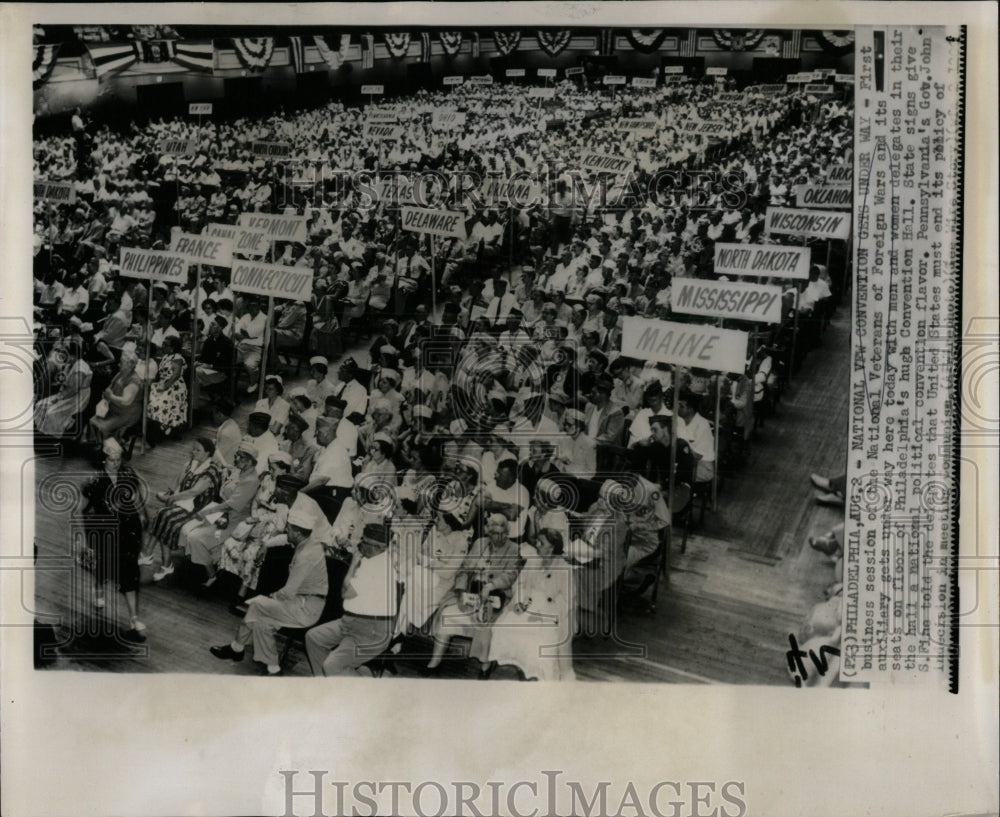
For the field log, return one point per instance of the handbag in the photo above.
(101, 409)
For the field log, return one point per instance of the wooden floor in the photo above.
(744, 583)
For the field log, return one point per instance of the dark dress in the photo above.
(114, 527)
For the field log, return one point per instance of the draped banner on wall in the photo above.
(367, 50)
(397, 43)
(553, 42)
(298, 54)
(43, 63)
(254, 53)
(646, 40)
(451, 42)
(425, 47)
(333, 58)
(506, 41)
(836, 40)
(733, 39)
(150, 55)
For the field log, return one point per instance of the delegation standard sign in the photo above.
(685, 344)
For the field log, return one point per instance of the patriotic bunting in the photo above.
(506, 41)
(646, 40)
(42, 64)
(451, 42)
(199, 56)
(254, 53)
(553, 42)
(112, 57)
(397, 43)
(735, 40)
(153, 51)
(332, 58)
(836, 40)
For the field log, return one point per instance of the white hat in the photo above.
(301, 519)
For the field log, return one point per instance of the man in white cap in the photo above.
(298, 604)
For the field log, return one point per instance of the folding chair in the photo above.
(336, 571)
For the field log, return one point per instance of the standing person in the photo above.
(116, 497)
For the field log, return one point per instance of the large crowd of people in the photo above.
(494, 468)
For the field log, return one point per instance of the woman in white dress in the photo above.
(535, 631)
(54, 414)
(430, 563)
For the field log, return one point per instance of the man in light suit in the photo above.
(298, 604)
(605, 423)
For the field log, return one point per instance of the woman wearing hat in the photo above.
(203, 535)
(121, 403)
(274, 403)
(198, 485)
(168, 396)
(117, 494)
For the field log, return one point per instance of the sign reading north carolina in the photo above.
(278, 150)
(637, 125)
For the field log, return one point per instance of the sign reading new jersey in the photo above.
(714, 127)
(62, 192)
(373, 90)
(602, 163)
(762, 260)
(374, 130)
(726, 299)
(614, 79)
(447, 119)
(177, 147)
(200, 109)
(637, 125)
(685, 344)
(204, 249)
(276, 150)
(809, 223)
(824, 197)
(444, 223)
(273, 280)
(153, 265)
(283, 228)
